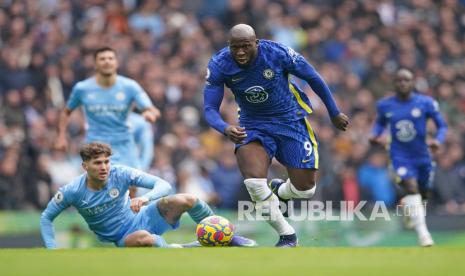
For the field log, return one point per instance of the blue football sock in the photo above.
(200, 211)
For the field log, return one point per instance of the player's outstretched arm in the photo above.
(54, 208)
(378, 127)
(61, 142)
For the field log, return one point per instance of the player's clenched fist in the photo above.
(137, 203)
(341, 121)
(236, 134)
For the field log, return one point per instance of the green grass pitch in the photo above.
(235, 261)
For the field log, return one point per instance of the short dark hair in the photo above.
(94, 150)
(103, 49)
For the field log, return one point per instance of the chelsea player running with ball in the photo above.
(273, 119)
(101, 197)
(406, 113)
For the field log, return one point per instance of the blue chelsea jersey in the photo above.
(407, 125)
(106, 109)
(263, 90)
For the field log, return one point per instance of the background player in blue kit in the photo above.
(273, 118)
(106, 99)
(101, 197)
(406, 113)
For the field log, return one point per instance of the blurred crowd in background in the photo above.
(46, 46)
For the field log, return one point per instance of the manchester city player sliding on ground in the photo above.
(101, 197)
(406, 114)
(273, 119)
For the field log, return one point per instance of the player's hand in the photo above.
(61, 144)
(236, 134)
(137, 203)
(341, 121)
(151, 115)
(434, 145)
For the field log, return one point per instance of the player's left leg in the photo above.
(298, 151)
(415, 210)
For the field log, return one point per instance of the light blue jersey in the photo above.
(107, 211)
(107, 109)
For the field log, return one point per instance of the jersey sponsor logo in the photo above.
(256, 94)
(120, 96)
(113, 193)
(58, 197)
(268, 74)
(416, 112)
(405, 130)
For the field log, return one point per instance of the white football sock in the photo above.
(288, 191)
(267, 203)
(417, 213)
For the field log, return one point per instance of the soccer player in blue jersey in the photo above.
(106, 99)
(273, 119)
(406, 113)
(101, 197)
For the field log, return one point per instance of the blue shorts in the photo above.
(293, 144)
(423, 172)
(149, 219)
(125, 153)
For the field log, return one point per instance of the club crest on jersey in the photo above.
(113, 193)
(120, 96)
(256, 94)
(268, 74)
(416, 112)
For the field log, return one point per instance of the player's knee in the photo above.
(140, 239)
(185, 201)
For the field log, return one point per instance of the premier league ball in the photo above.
(215, 231)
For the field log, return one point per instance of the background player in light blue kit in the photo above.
(106, 99)
(406, 113)
(101, 197)
(273, 118)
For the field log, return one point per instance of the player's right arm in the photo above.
(380, 124)
(56, 205)
(73, 102)
(213, 96)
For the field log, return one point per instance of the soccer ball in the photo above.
(214, 231)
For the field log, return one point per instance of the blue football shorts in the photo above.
(149, 219)
(423, 172)
(293, 144)
(125, 153)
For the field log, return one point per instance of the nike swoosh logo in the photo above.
(237, 79)
(305, 160)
